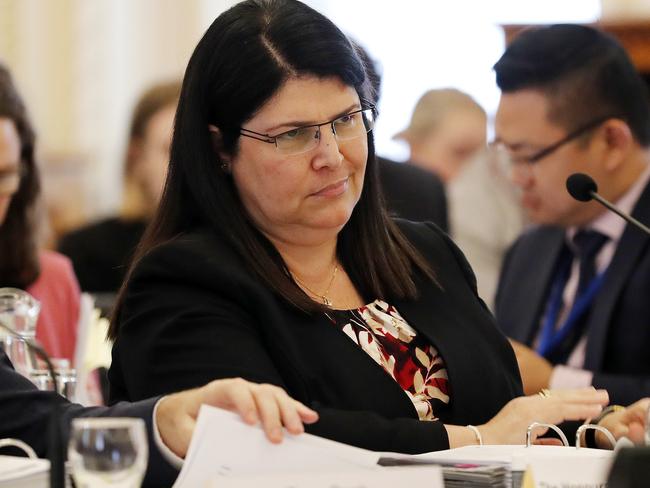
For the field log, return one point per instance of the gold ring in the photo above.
(545, 393)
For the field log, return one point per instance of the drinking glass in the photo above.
(108, 452)
(19, 310)
(66, 378)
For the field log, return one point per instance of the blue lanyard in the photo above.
(552, 336)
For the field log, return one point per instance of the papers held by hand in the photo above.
(226, 450)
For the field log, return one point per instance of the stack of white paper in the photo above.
(549, 464)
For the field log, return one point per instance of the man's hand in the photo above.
(176, 414)
(535, 370)
(630, 423)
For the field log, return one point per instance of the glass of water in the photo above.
(19, 310)
(66, 378)
(108, 452)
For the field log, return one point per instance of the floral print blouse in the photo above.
(414, 363)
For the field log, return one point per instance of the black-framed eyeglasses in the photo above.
(542, 153)
(303, 139)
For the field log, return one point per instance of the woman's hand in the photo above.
(510, 424)
(176, 414)
(630, 422)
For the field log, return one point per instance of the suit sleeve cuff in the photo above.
(165, 451)
(565, 377)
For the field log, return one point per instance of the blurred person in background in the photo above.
(447, 136)
(410, 192)
(101, 252)
(447, 128)
(46, 275)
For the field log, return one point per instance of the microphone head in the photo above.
(581, 186)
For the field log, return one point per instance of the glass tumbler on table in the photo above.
(19, 310)
(108, 452)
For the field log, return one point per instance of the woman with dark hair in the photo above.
(101, 252)
(48, 276)
(271, 257)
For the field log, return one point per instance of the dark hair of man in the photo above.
(246, 55)
(584, 73)
(19, 265)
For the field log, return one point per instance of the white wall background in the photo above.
(424, 44)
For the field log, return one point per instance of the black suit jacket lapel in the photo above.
(632, 243)
(533, 292)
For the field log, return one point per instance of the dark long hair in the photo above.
(239, 64)
(19, 265)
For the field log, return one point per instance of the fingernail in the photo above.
(297, 429)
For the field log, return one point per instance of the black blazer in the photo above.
(25, 415)
(193, 313)
(413, 193)
(101, 252)
(618, 328)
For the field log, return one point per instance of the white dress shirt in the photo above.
(165, 451)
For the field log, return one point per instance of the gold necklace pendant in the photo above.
(326, 301)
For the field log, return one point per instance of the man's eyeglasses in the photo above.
(303, 139)
(542, 153)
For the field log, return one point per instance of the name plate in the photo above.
(429, 476)
(567, 473)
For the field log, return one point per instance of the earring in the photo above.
(225, 166)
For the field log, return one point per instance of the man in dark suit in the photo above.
(25, 414)
(413, 193)
(574, 289)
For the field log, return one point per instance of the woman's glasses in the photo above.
(303, 139)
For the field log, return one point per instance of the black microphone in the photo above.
(582, 187)
(56, 450)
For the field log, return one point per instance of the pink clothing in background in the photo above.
(58, 291)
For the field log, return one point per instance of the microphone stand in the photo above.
(55, 447)
(623, 215)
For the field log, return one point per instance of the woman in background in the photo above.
(101, 252)
(46, 275)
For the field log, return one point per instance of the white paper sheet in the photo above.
(559, 472)
(223, 445)
(516, 456)
(19, 472)
(429, 477)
